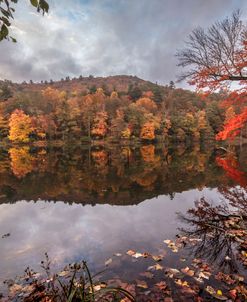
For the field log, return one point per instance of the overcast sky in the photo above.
(106, 37)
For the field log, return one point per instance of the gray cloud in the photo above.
(106, 37)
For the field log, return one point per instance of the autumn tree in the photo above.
(151, 123)
(216, 57)
(20, 125)
(147, 104)
(100, 127)
(44, 127)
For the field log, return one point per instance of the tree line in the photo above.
(167, 114)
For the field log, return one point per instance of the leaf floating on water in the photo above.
(188, 271)
(137, 255)
(182, 283)
(145, 255)
(155, 267)
(200, 280)
(99, 286)
(157, 258)
(239, 278)
(225, 278)
(216, 294)
(107, 262)
(171, 245)
(172, 272)
(161, 285)
(167, 241)
(131, 253)
(204, 275)
(233, 293)
(141, 283)
(118, 254)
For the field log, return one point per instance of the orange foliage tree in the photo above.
(100, 124)
(218, 57)
(147, 131)
(20, 125)
(147, 104)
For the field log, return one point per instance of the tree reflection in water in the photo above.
(221, 229)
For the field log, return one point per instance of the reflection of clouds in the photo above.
(70, 233)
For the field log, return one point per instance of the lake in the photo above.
(92, 202)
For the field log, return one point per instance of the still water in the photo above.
(92, 202)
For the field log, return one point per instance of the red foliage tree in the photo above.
(218, 57)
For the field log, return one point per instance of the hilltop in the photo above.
(84, 85)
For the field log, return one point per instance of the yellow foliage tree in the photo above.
(20, 126)
(22, 161)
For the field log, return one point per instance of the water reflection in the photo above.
(119, 175)
(221, 230)
(159, 181)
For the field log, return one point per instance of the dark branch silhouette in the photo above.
(216, 51)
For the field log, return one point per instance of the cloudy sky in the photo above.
(106, 37)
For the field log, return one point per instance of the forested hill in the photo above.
(114, 108)
(84, 85)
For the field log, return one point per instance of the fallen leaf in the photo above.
(137, 255)
(130, 252)
(182, 283)
(204, 275)
(188, 271)
(172, 272)
(107, 262)
(141, 283)
(157, 258)
(161, 285)
(145, 255)
(155, 267)
(167, 241)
